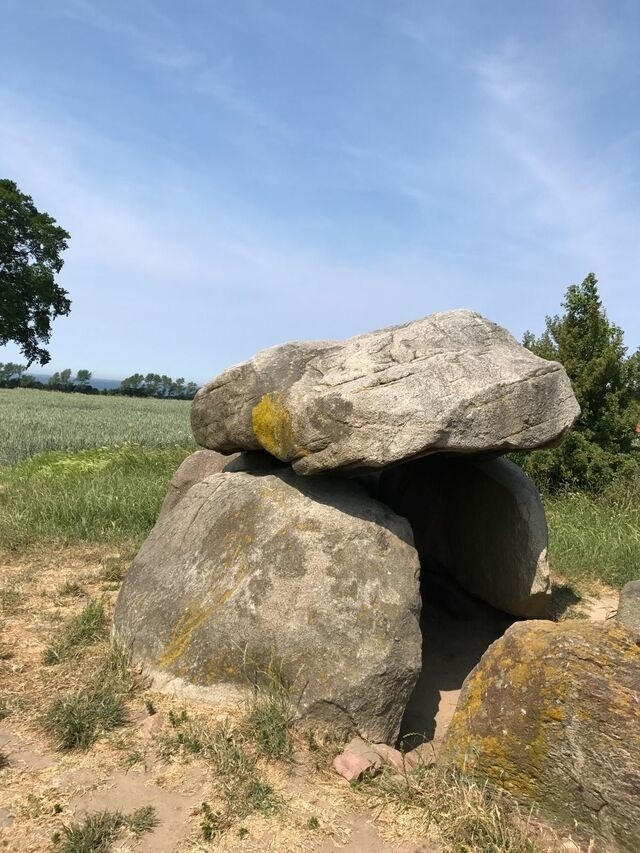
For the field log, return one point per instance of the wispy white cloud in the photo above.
(190, 237)
(154, 38)
(106, 228)
(216, 85)
(571, 189)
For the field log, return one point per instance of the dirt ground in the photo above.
(43, 790)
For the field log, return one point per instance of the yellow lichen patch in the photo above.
(181, 635)
(185, 627)
(272, 427)
(542, 694)
(193, 617)
(222, 668)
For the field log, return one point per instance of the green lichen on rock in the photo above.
(552, 714)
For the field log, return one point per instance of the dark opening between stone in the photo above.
(481, 535)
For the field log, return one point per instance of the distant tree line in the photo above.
(152, 385)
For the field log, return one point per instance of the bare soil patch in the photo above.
(43, 790)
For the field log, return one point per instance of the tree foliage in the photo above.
(30, 247)
(606, 383)
(11, 373)
(83, 377)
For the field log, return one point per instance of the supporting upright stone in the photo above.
(194, 469)
(310, 573)
(203, 463)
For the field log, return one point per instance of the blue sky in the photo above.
(237, 173)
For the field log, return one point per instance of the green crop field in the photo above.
(80, 468)
(32, 422)
(75, 467)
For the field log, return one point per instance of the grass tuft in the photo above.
(94, 834)
(87, 627)
(115, 670)
(212, 823)
(254, 796)
(269, 719)
(114, 569)
(71, 589)
(76, 721)
(97, 832)
(142, 820)
(10, 600)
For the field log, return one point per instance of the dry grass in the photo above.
(248, 779)
(460, 813)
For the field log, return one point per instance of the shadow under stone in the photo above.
(456, 631)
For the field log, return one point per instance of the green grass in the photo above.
(87, 627)
(34, 422)
(76, 720)
(95, 495)
(97, 832)
(596, 538)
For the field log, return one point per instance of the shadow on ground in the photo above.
(456, 631)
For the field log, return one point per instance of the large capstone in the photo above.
(248, 569)
(552, 714)
(449, 382)
(482, 522)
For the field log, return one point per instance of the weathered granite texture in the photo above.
(452, 381)
(310, 572)
(552, 714)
